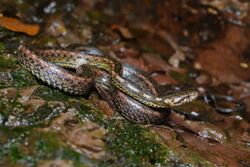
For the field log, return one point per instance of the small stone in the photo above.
(203, 79)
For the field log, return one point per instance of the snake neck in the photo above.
(137, 93)
(180, 98)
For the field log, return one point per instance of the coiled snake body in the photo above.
(47, 64)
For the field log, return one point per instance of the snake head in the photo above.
(180, 98)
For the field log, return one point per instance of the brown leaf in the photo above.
(123, 30)
(18, 26)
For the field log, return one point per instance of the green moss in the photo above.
(42, 116)
(11, 147)
(23, 78)
(8, 107)
(48, 93)
(42, 146)
(5, 80)
(45, 144)
(86, 110)
(196, 159)
(4, 33)
(50, 146)
(6, 62)
(2, 47)
(133, 148)
(15, 153)
(38, 117)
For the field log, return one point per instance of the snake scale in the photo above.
(136, 91)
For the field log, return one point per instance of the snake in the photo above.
(85, 77)
(128, 107)
(49, 63)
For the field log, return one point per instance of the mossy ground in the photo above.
(127, 144)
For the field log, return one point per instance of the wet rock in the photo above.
(85, 137)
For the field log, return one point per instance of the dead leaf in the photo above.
(16, 25)
(123, 30)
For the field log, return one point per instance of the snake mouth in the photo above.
(181, 98)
